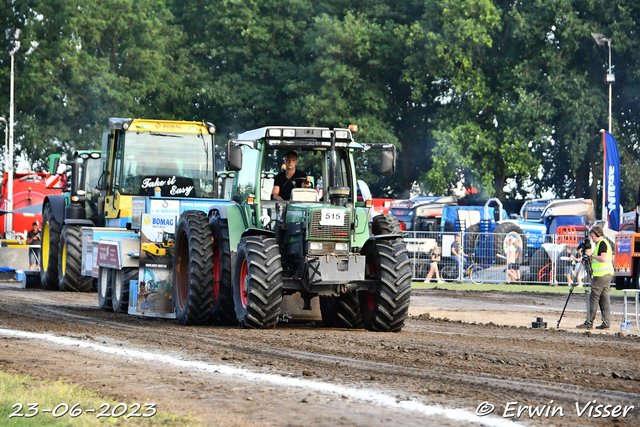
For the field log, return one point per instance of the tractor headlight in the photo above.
(289, 132)
(275, 132)
(315, 246)
(341, 134)
(342, 247)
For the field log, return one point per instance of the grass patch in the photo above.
(49, 394)
(502, 287)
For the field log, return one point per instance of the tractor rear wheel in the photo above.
(471, 238)
(387, 310)
(50, 249)
(70, 276)
(500, 235)
(385, 224)
(222, 309)
(257, 282)
(104, 289)
(193, 265)
(120, 288)
(341, 311)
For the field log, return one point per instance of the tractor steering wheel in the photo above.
(293, 179)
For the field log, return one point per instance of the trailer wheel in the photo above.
(257, 282)
(50, 248)
(222, 309)
(385, 224)
(70, 276)
(104, 289)
(120, 288)
(500, 235)
(341, 311)
(387, 310)
(193, 265)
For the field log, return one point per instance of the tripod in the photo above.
(584, 268)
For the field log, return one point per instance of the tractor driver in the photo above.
(289, 178)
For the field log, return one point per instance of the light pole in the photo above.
(600, 41)
(6, 139)
(14, 44)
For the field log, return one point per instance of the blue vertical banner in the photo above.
(612, 180)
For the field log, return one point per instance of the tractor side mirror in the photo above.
(234, 157)
(387, 163)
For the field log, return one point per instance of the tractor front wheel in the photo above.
(257, 282)
(193, 265)
(387, 310)
(50, 248)
(70, 276)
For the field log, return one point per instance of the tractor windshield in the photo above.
(312, 163)
(181, 165)
(92, 174)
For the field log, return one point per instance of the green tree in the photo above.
(89, 61)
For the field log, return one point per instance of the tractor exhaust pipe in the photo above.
(333, 161)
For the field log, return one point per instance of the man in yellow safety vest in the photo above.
(602, 265)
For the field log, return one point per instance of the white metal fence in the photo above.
(496, 258)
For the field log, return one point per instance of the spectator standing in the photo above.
(33, 238)
(435, 259)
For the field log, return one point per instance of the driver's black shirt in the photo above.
(281, 179)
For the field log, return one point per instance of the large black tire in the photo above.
(257, 282)
(222, 309)
(50, 247)
(387, 310)
(539, 267)
(70, 276)
(120, 288)
(104, 289)
(500, 234)
(193, 264)
(385, 224)
(471, 239)
(341, 311)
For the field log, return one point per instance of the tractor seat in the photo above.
(304, 195)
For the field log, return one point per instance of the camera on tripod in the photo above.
(586, 244)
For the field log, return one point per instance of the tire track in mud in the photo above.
(324, 364)
(450, 362)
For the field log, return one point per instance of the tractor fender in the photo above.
(57, 203)
(371, 241)
(227, 209)
(236, 221)
(258, 232)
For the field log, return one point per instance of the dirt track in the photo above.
(310, 375)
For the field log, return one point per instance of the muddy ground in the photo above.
(459, 354)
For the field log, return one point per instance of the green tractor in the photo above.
(316, 244)
(63, 217)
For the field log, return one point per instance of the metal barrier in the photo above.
(497, 257)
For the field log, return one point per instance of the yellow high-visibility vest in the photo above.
(603, 268)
